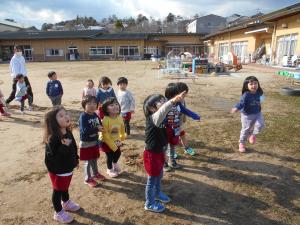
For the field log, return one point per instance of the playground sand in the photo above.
(217, 186)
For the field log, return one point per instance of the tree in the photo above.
(141, 18)
(113, 18)
(46, 26)
(170, 18)
(119, 24)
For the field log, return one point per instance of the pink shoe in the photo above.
(252, 139)
(91, 182)
(5, 114)
(99, 177)
(242, 147)
(70, 206)
(116, 168)
(112, 173)
(62, 217)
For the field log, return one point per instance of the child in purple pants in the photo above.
(251, 116)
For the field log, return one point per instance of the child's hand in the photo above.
(178, 98)
(234, 110)
(66, 141)
(100, 129)
(118, 143)
(77, 167)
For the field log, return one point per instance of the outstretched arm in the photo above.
(189, 113)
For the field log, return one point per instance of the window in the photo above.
(240, 49)
(286, 46)
(129, 51)
(223, 50)
(54, 52)
(101, 50)
(153, 50)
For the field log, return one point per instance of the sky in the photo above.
(37, 12)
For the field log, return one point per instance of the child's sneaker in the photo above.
(5, 114)
(163, 198)
(116, 168)
(189, 151)
(70, 206)
(166, 168)
(22, 112)
(30, 108)
(112, 173)
(173, 164)
(62, 217)
(175, 154)
(156, 207)
(91, 182)
(99, 176)
(252, 139)
(242, 147)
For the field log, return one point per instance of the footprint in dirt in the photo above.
(75, 102)
(41, 108)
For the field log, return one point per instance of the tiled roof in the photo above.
(47, 34)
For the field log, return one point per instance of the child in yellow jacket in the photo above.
(112, 136)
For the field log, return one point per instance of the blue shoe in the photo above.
(163, 198)
(156, 207)
(175, 155)
(189, 151)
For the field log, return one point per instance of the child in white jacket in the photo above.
(21, 93)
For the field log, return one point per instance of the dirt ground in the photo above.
(218, 186)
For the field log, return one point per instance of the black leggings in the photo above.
(14, 88)
(112, 157)
(127, 126)
(57, 197)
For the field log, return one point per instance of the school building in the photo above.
(273, 36)
(96, 45)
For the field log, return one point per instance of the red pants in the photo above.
(153, 162)
(60, 183)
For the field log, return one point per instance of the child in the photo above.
(250, 107)
(155, 109)
(89, 126)
(60, 159)
(2, 104)
(187, 150)
(54, 89)
(104, 92)
(21, 93)
(112, 136)
(173, 124)
(126, 101)
(89, 89)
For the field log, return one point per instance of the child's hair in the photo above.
(18, 47)
(151, 102)
(171, 90)
(19, 76)
(90, 80)
(51, 125)
(51, 73)
(182, 87)
(104, 80)
(122, 80)
(108, 102)
(247, 81)
(87, 99)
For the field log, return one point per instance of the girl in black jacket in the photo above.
(60, 158)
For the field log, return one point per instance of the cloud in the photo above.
(36, 12)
